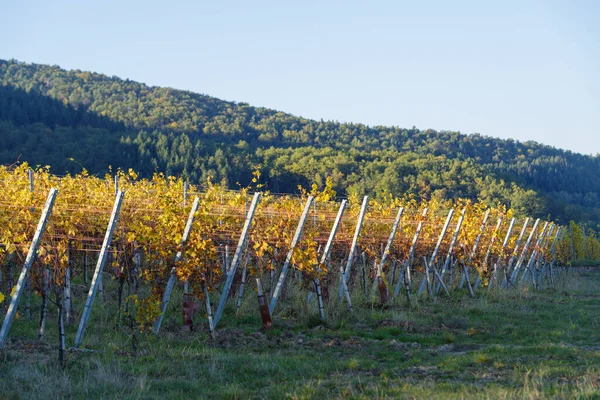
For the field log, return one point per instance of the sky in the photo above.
(527, 69)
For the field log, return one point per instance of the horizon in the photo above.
(449, 68)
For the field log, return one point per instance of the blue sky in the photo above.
(527, 70)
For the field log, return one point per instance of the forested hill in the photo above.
(75, 119)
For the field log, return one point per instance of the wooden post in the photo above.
(427, 277)
(361, 217)
(363, 258)
(450, 249)
(325, 256)
(227, 263)
(388, 245)
(517, 245)
(376, 280)
(411, 253)
(31, 254)
(524, 253)
(112, 223)
(440, 280)
(85, 265)
(230, 273)
(474, 251)
(529, 265)
(334, 229)
(61, 329)
(345, 287)
(468, 280)
(288, 259)
(533, 270)
(533, 256)
(514, 253)
(44, 307)
(172, 277)
(263, 307)
(211, 326)
(67, 292)
(101, 276)
(435, 251)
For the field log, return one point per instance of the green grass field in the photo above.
(515, 344)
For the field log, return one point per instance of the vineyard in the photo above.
(147, 239)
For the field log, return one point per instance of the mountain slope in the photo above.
(51, 116)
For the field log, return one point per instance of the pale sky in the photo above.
(527, 70)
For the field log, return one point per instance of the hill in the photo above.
(75, 119)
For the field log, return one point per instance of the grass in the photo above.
(515, 344)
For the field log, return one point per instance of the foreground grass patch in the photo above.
(499, 345)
